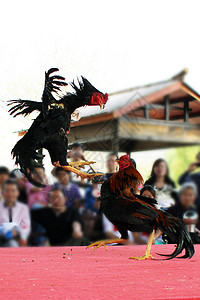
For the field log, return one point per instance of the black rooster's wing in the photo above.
(52, 84)
(23, 107)
(81, 95)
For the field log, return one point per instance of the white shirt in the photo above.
(18, 214)
(109, 227)
(163, 196)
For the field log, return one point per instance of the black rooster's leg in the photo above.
(148, 248)
(80, 164)
(104, 243)
(77, 171)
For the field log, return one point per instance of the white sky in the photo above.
(115, 44)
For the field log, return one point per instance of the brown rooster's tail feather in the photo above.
(178, 234)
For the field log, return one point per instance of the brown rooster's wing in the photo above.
(151, 201)
(131, 211)
(137, 208)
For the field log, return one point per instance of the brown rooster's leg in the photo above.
(148, 249)
(77, 170)
(106, 242)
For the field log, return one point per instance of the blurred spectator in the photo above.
(111, 231)
(38, 197)
(163, 184)
(187, 197)
(4, 174)
(148, 191)
(71, 190)
(140, 185)
(76, 153)
(186, 204)
(92, 193)
(111, 165)
(91, 216)
(14, 217)
(195, 178)
(62, 223)
(141, 238)
(21, 181)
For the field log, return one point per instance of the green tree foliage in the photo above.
(179, 159)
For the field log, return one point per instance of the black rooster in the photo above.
(128, 211)
(49, 130)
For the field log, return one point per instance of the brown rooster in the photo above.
(129, 211)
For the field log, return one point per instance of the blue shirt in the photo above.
(71, 191)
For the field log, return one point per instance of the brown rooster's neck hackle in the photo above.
(125, 181)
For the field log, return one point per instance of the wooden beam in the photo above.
(115, 138)
(182, 100)
(181, 117)
(146, 111)
(151, 98)
(160, 106)
(190, 91)
(166, 100)
(93, 119)
(136, 135)
(186, 111)
(162, 131)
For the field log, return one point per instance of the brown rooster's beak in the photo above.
(117, 160)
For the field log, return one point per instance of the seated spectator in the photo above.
(71, 190)
(111, 231)
(161, 181)
(92, 193)
(111, 165)
(21, 181)
(141, 238)
(4, 174)
(148, 191)
(14, 217)
(62, 223)
(76, 153)
(187, 197)
(91, 215)
(195, 177)
(38, 197)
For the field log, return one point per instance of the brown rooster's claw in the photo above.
(104, 243)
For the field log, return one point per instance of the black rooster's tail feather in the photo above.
(28, 159)
(178, 234)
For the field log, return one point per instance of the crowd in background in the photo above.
(68, 211)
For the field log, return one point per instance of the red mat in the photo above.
(77, 273)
